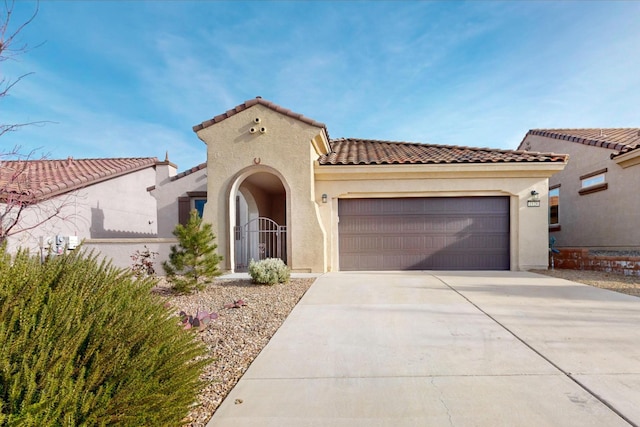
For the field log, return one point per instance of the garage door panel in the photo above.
(365, 224)
(434, 242)
(413, 226)
(457, 225)
(398, 243)
(493, 222)
(370, 262)
(359, 244)
(466, 233)
(476, 241)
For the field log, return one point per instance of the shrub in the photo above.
(143, 262)
(85, 343)
(194, 261)
(269, 271)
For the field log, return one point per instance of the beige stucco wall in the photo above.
(119, 251)
(167, 192)
(233, 154)
(602, 220)
(529, 238)
(118, 207)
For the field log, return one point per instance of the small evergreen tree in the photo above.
(194, 261)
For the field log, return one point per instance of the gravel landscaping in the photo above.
(629, 285)
(236, 337)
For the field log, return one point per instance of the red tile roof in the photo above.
(35, 180)
(625, 150)
(612, 138)
(250, 103)
(351, 151)
(189, 171)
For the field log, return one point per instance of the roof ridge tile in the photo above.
(610, 138)
(255, 101)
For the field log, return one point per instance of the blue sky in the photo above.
(131, 78)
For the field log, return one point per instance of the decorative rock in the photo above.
(236, 337)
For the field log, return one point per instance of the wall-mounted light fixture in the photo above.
(324, 198)
(534, 200)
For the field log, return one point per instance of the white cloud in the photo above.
(81, 130)
(454, 73)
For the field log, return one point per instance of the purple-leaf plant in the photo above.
(236, 304)
(200, 321)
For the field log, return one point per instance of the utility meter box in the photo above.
(57, 244)
(72, 242)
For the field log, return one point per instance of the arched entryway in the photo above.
(259, 218)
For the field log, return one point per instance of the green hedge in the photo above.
(84, 343)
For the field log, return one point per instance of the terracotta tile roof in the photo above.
(612, 138)
(189, 171)
(250, 103)
(349, 151)
(35, 180)
(626, 149)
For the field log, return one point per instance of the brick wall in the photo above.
(584, 259)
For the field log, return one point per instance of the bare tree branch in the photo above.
(21, 209)
(19, 200)
(9, 84)
(15, 225)
(16, 126)
(8, 36)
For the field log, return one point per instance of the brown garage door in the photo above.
(439, 233)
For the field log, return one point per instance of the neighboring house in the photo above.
(177, 195)
(91, 200)
(594, 209)
(278, 186)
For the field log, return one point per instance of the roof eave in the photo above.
(250, 103)
(553, 134)
(440, 170)
(321, 143)
(628, 159)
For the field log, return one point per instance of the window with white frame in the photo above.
(593, 180)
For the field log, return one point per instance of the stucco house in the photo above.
(76, 200)
(275, 185)
(594, 209)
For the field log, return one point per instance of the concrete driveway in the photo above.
(446, 348)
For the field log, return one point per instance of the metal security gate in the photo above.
(439, 233)
(258, 239)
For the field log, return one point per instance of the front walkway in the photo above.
(446, 348)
